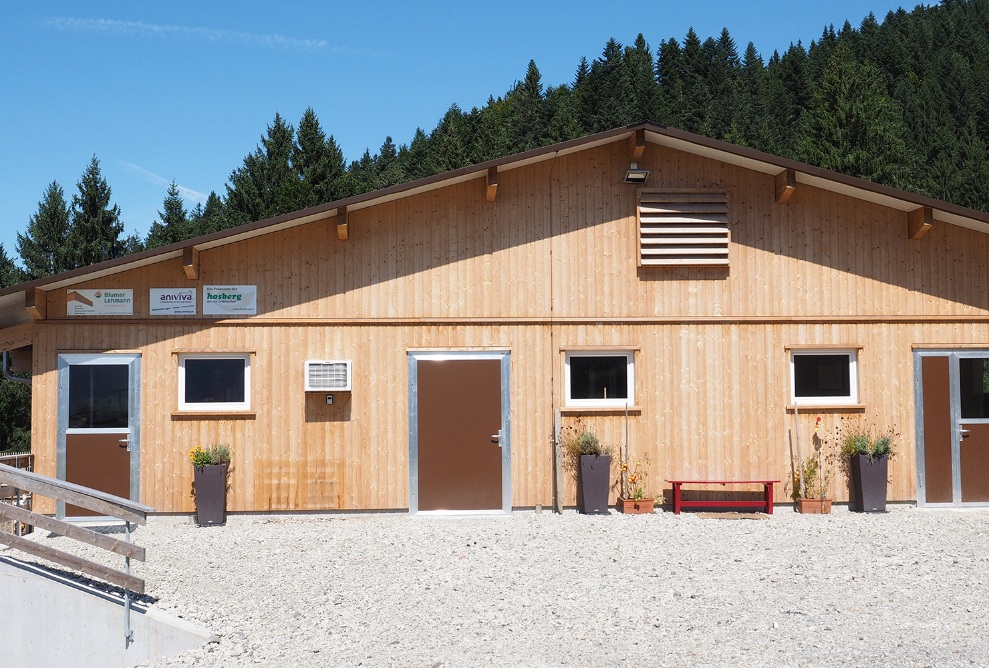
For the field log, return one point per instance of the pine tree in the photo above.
(787, 95)
(696, 94)
(9, 273)
(318, 163)
(526, 113)
(561, 110)
(853, 127)
(43, 248)
(641, 74)
(670, 76)
(266, 185)
(724, 67)
(94, 233)
(172, 224)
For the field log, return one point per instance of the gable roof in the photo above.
(12, 304)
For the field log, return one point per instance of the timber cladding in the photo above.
(551, 265)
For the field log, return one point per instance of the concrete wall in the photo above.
(49, 620)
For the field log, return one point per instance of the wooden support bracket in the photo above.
(36, 303)
(343, 233)
(491, 192)
(637, 145)
(190, 262)
(919, 222)
(786, 184)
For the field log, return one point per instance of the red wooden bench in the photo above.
(765, 504)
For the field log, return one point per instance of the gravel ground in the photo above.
(905, 588)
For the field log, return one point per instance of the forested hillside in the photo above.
(904, 102)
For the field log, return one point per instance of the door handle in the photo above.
(125, 443)
(965, 433)
(496, 438)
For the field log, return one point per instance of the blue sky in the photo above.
(184, 90)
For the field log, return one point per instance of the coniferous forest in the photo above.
(903, 101)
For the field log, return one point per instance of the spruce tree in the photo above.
(641, 73)
(94, 234)
(852, 126)
(43, 247)
(9, 273)
(172, 224)
(526, 113)
(266, 185)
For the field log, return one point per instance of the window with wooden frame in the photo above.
(683, 229)
(214, 382)
(600, 379)
(824, 377)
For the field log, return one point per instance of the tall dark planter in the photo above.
(595, 482)
(869, 483)
(211, 495)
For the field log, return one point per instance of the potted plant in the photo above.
(591, 463)
(811, 484)
(866, 458)
(210, 468)
(633, 498)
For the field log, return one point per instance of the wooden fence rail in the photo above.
(19, 497)
(100, 502)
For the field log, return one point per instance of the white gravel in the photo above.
(906, 588)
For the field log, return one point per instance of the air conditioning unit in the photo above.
(328, 376)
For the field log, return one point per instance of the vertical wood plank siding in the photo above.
(550, 265)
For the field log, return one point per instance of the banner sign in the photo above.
(230, 299)
(99, 302)
(173, 301)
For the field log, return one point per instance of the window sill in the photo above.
(215, 415)
(614, 410)
(831, 408)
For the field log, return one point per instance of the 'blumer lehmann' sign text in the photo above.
(99, 302)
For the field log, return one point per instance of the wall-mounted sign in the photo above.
(173, 301)
(230, 299)
(99, 302)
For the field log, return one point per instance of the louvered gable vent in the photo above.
(683, 229)
(328, 375)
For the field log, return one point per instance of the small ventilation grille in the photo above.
(328, 375)
(683, 229)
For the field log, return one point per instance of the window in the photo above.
(823, 377)
(215, 382)
(973, 387)
(683, 229)
(98, 396)
(602, 380)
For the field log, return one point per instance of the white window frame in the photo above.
(602, 403)
(215, 406)
(852, 399)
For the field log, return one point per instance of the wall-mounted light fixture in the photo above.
(636, 175)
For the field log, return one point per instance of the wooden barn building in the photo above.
(412, 348)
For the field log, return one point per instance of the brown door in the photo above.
(458, 429)
(98, 404)
(937, 480)
(955, 444)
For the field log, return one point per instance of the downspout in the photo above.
(557, 446)
(8, 375)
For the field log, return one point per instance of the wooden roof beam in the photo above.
(919, 222)
(190, 262)
(786, 184)
(343, 232)
(491, 191)
(637, 145)
(36, 303)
